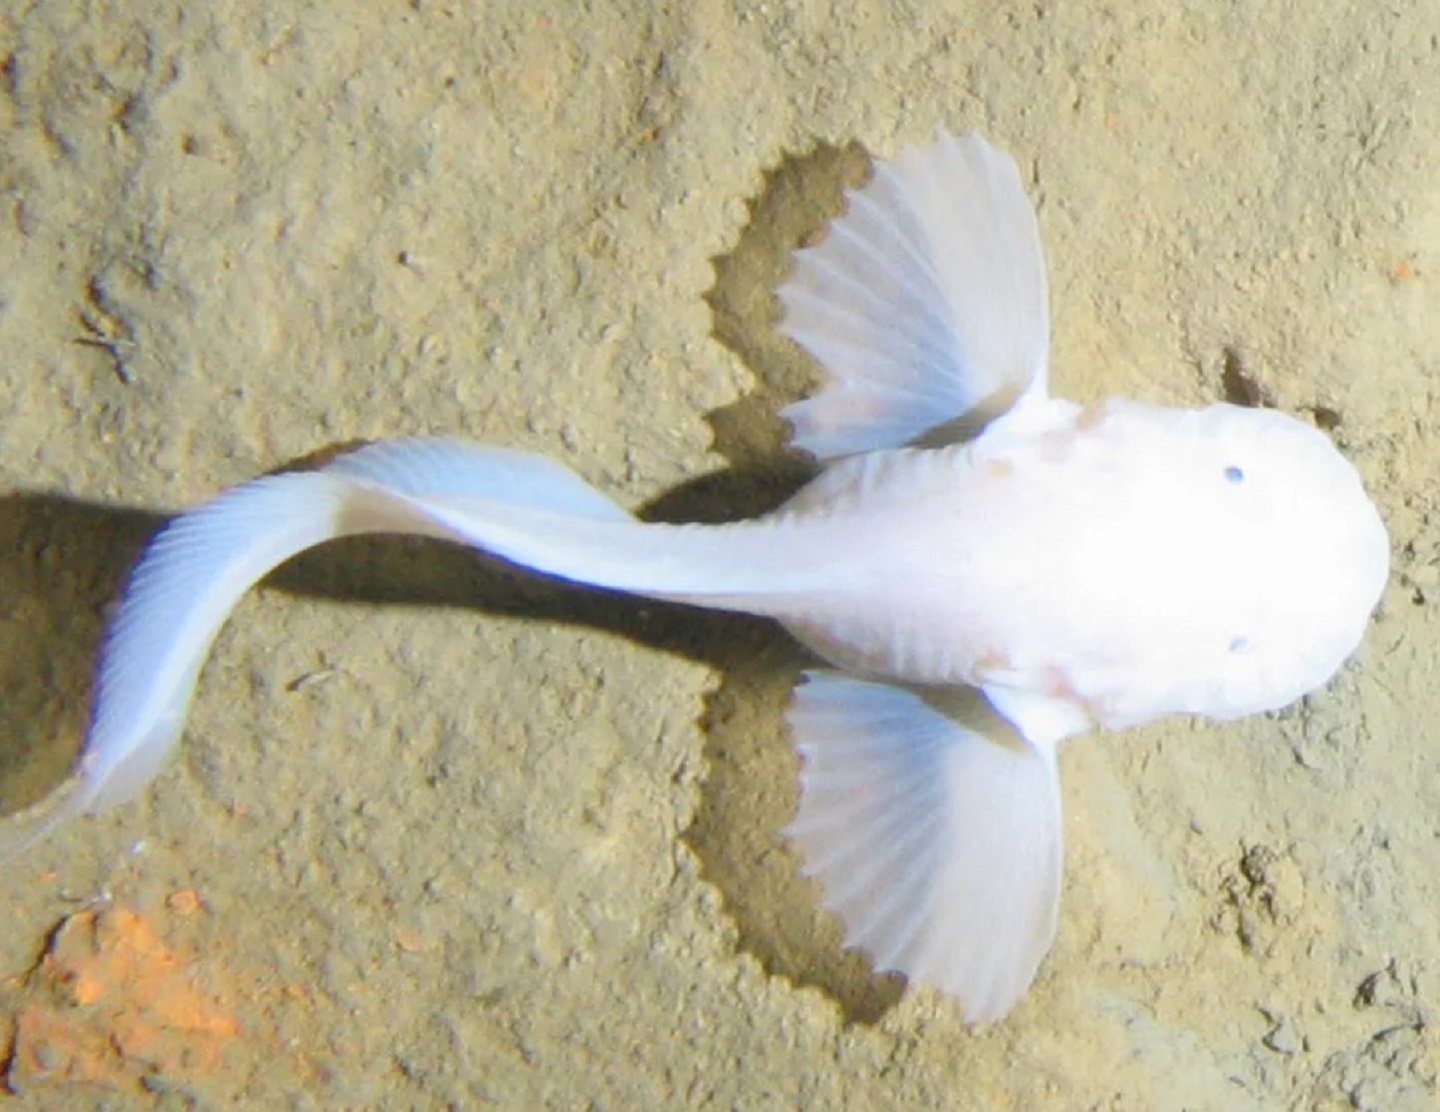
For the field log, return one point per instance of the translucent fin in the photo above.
(441, 467)
(934, 831)
(538, 514)
(925, 304)
(1040, 718)
(24, 828)
(177, 597)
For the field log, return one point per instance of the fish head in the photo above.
(1268, 561)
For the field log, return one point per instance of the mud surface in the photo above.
(439, 834)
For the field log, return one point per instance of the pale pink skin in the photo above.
(1098, 556)
(1065, 568)
(1101, 556)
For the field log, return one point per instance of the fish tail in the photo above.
(188, 579)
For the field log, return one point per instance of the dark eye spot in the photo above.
(1233, 474)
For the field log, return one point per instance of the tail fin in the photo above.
(176, 599)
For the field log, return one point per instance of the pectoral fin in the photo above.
(935, 832)
(925, 304)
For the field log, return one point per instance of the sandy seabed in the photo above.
(442, 835)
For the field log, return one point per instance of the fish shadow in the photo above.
(63, 561)
(750, 792)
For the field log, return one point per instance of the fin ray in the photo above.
(934, 831)
(925, 304)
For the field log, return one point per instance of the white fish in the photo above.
(982, 599)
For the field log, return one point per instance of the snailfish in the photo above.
(987, 570)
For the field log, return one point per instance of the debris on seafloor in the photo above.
(111, 1006)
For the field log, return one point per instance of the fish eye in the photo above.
(1234, 474)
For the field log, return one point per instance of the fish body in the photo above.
(988, 569)
(1137, 560)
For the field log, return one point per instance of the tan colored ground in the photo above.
(438, 834)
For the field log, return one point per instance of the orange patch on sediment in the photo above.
(1400, 271)
(184, 902)
(113, 1005)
